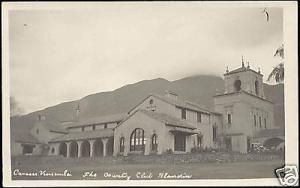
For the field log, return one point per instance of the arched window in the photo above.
(151, 101)
(237, 85)
(122, 144)
(137, 140)
(154, 142)
(256, 88)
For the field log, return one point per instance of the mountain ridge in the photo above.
(199, 89)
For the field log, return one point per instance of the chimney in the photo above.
(77, 112)
(41, 117)
(171, 95)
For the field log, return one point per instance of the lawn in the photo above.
(231, 170)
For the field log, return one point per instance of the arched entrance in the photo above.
(73, 149)
(110, 146)
(62, 149)
(85, 149)
(273, 142)
(98, 148)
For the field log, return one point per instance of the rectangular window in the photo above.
(183, 113)
(254, 120)
(105, 126)
(82, 129)
(94, 127)
(199, 117)
(215, 133)
(265, 122)
(27, 149)
(199, 140)
(229, 118)
(260, 121)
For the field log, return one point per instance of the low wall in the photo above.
(217, 157)
(198, 158)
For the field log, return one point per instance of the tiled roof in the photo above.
(168, 120)
(244, 92)
(24, 137)
(183, 104)
(103, 133)
(270, 133)
(52, 126)
(98, 120)
(241, 69)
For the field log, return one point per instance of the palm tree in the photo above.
(278, 72)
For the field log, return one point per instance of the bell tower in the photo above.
(244, 108)
(244, 79)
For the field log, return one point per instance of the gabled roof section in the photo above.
(243, 92)
(164, 118)
(24, 137)
(176, 102)
(103, 133)
(98, 120)
(52, 126)
(242, 69)
(168, 120)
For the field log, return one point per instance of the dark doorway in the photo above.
(179, 142)
(110, 146)
(85, 149)
(63, 149)
(228, 145)
(73, 149)
(98, 148)
(248, 145)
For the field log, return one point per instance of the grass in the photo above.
(232, 170)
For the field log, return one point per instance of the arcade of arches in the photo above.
(86, 148)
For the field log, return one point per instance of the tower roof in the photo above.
(242, 69)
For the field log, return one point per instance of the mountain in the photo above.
(199, 89)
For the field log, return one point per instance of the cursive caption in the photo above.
(91, 174)
(45, 173)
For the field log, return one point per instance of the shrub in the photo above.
(168, 151)
(198, 149)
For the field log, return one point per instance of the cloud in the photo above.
(65, 55)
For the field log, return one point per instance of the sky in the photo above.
(58, 55)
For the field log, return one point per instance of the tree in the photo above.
(278, 72)
(15, 109)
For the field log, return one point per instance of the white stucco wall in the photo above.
(43, 134)
(149, 125)
(17, 149)
(159, 106)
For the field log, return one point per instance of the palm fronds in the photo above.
(277, 73)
